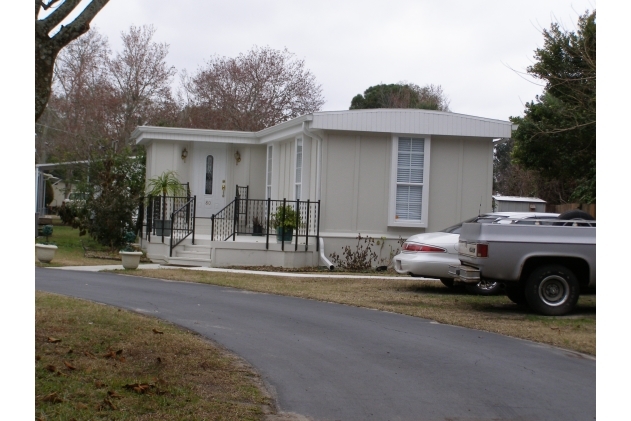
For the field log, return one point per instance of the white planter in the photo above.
(45, 252)
(131, 259)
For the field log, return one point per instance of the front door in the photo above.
(209, 178)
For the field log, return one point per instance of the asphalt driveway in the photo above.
(334, 362)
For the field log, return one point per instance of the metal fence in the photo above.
(281, 218)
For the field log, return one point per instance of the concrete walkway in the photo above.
(251, 272)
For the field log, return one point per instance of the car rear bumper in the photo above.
(430, 265)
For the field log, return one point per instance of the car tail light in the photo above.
(482, 250)
(422, 248)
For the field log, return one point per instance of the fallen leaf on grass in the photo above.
(51, 368)
(89, 354)
(52, 398)
(139, 387)
(158, 332)
(122, 359)
(110, 354)
(53, 340)
(80, 405)
(69, 366)
(99, 384)
(113, 394)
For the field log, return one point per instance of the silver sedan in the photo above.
(429, 255)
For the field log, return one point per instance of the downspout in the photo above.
(306, 132)
(323, 258)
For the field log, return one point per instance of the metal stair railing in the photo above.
(182, 224)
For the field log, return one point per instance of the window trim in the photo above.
(302, 154)
(392, 221)
(269, 174)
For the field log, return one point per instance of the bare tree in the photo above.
(98, 99)
(82, 98)
(255, 90)
(141, 79)
(47, 47)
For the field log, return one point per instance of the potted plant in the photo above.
(45, 252)
(165, 184)
(285, 220)
(129, 256)
(257, 227)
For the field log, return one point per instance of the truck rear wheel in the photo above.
(552, 290)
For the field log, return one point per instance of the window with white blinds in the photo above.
(268, 177)
(409, 184)
(298, 179)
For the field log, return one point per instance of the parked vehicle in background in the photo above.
(429, 255)
(544, 265)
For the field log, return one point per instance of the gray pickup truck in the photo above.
(544, 265)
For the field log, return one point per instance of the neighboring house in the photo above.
(518, 204)
(386, 173)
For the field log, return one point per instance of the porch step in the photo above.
(186, 261)
(191, 255)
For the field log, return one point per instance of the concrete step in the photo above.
(193, 254)
(186, 261)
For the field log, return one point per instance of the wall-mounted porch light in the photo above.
(237, 157)
(184, 154)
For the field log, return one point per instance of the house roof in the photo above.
(500, 198)
(401, 121)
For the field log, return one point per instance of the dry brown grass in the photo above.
(98, 362)
(425, 299)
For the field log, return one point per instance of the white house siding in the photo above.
(460, 179)
(249, 172)
(164, 156)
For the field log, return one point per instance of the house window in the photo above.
(408, 200)
(268, 178)
(298, 168)
(209, 175)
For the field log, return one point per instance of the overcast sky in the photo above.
(468, 47)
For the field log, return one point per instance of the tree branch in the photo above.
(55, 18)
(80, 25)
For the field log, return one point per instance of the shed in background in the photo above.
(518, 204)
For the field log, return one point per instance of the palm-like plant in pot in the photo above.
(165, 184)
(286, 219)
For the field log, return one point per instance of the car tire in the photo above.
(552, 290)
(516, 294)
(484, 288)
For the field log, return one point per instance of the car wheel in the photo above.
(484, 288)
(552, 290)
(448, 282)
(516, 293)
